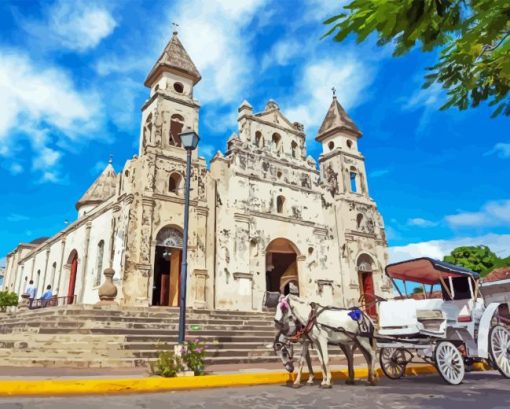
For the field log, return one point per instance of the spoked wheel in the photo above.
(449, 362)
(499, 349)
(393, 362)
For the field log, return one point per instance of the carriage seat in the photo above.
(429, 315)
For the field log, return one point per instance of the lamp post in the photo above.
(189, 139)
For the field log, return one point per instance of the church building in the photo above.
(264, 216)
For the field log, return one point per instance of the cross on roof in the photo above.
(334, 91)
(175, 26)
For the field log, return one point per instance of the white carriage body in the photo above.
(464, 319)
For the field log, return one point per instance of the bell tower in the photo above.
(171, 106)
(341, 163)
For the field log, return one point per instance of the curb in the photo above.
(58, 387)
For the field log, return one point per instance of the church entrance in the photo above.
(365, 271)
(281, 266)
(167, 268)
(73, 261)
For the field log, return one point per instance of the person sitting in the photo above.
(47, 296)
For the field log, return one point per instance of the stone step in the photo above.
(72, 325)
(153, 333)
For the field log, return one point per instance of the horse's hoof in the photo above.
(310, 383)
(350, 382)
(326, 386)
(372, 382)
(296, 385)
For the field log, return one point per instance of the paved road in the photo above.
(486, 390)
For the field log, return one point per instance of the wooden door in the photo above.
(164, 285)
(72, 280)
(175, 277)
(369, 293)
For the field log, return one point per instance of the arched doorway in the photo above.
(365, 267)
(73, 262)
(281, 266)
(167, 267)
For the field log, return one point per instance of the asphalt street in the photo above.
(487, 390)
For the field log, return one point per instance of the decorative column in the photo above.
(108, 291)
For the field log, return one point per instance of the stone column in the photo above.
(108, 291)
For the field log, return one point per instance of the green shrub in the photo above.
(7, 299)
(193, 355)
(167, 365)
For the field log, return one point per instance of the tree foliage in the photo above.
(7, 299)
(476, 258)
(473, 37)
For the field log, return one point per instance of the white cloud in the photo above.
(502, 150)
(498, 243)
(214, 34)
(207, 151)
(494, 213)
(429, 99)
(420, 222)
(15, 217)
(378, 173)
(320, 10)
(41, 104)
(347, 73)
(76, 25)
(283, 52)
(15, 168)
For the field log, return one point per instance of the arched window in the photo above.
(359, 220)
(53, 273)
(174, 183)
(353, 176)
(276, 139)
(294, 147)
(176, 124)
(99, 261)
(259, 142)
(331, 145)
(280, 201)
(37, 278)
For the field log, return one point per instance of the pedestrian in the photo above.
(47, 296)
(31, 291)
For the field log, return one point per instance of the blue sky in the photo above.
(71, 88)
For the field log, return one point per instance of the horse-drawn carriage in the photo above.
(449, 326)
(450, 331)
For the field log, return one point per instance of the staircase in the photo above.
(84, 336)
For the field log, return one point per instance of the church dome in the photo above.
(101, 190)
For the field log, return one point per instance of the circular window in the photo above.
(310, 250)
(331, 145)
(178, 87)
(349, 143)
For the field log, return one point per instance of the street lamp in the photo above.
(189, 139)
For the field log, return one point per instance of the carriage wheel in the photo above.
(393, 362)
(499, 349)
(449, 362)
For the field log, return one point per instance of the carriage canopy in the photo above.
(426, 270)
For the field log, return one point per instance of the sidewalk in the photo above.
(59, 382)
(9, 373)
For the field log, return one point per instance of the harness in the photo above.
(365, 326)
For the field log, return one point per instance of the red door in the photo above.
(72, 279)
(369, 293)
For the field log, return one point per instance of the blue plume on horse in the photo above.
(355, 314)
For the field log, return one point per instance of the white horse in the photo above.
(329, 325)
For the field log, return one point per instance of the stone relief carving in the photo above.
(169, 237)
(331, 180)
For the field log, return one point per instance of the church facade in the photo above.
(264, 216)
